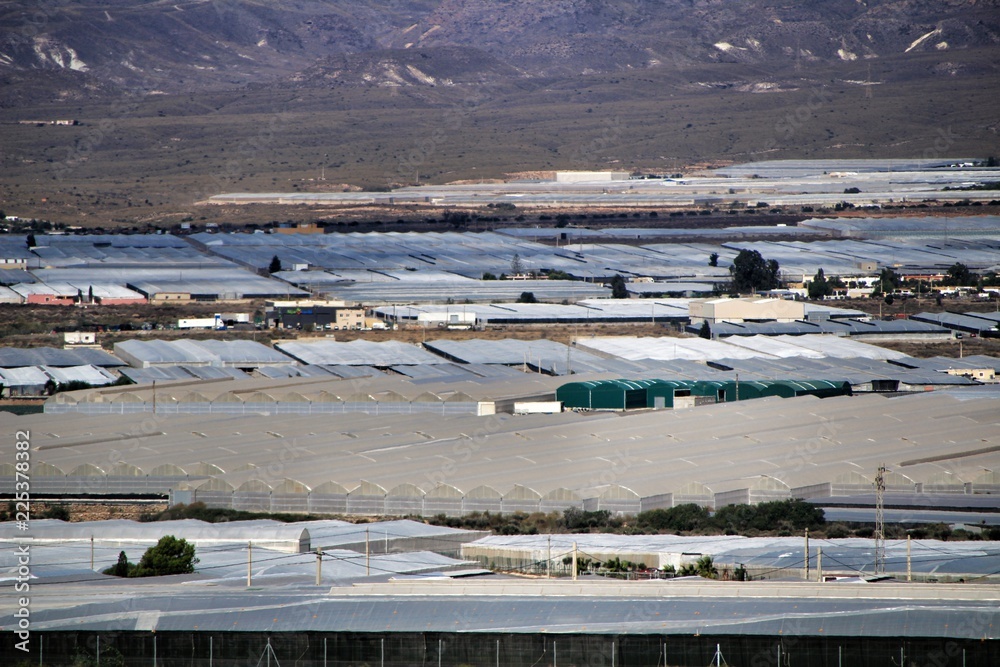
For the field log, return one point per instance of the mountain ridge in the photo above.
(204, 44)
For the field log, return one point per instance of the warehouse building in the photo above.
(743, 310)
(633, 394)
(309, 315)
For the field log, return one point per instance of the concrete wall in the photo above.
(590, 176)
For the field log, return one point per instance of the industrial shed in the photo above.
(604, 394)
(659, 393)
(663, 393)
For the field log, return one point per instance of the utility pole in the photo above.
(909, 564)
(574, 561)
(548, 561)
(806, 552)
(249, 564)
(819, 565)
(880, 521)
(368, 555)
(319, 567)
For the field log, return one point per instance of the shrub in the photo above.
(170, 556)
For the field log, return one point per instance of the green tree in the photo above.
(122, 568)
(820, 287)
(516, 266)
(170, 556)
(705, 331)
(275, 265)
(527, 297)
(959, 275)
(582, 521)
(775, 515)
(888, 282)
(704, 567)
(751, 272)
(713, 259)
(31, 241)
(681, 518)
(488, 276)
(618, 289)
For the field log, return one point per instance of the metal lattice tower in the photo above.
(880, 521)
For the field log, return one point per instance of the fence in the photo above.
(239, 649)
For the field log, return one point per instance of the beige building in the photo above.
(979, 374)
(746, 310)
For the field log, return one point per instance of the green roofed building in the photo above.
(660, 394)
(604, 394)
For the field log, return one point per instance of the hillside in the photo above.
(181, 100)
(180, 46)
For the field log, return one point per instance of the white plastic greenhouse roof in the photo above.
(210, 352)
(24, 376)
(772, 445)
(12, 357)
(812, 346)
(358, 353)
(840, 347)
(850, 555)
(89, 374)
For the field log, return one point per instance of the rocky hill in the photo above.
(82, 49)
